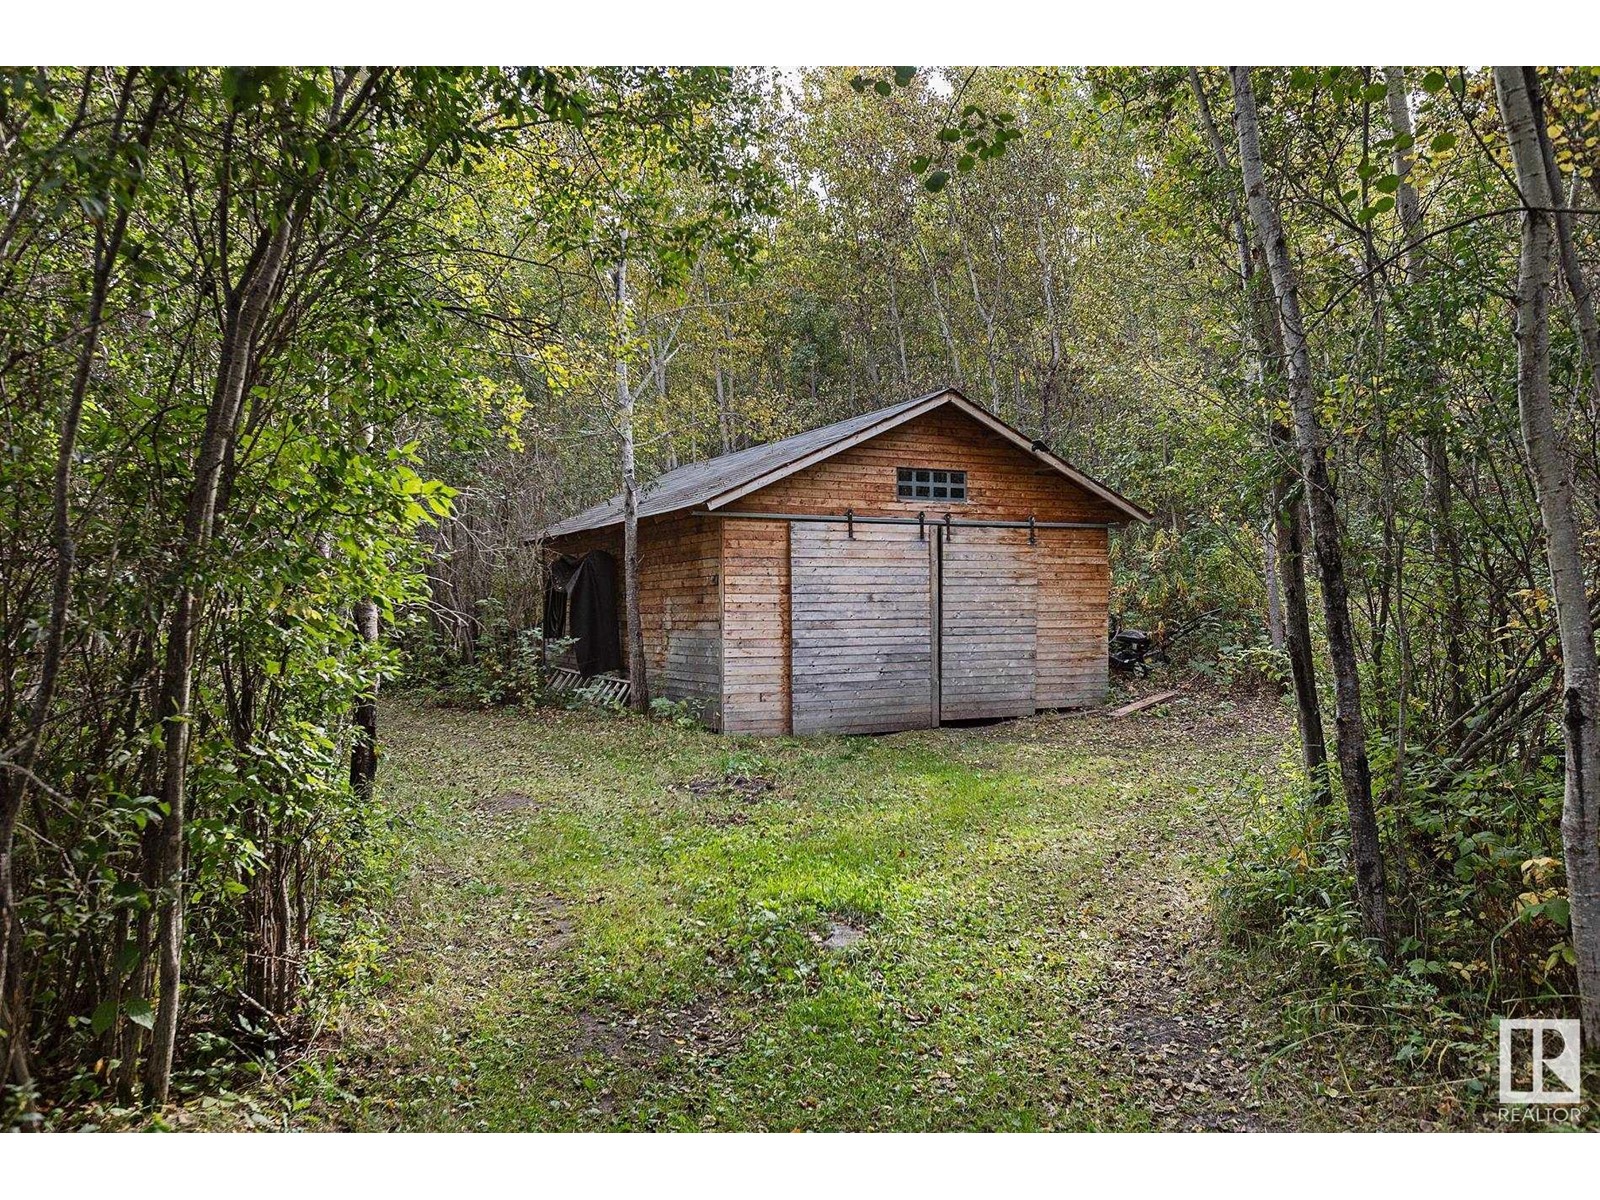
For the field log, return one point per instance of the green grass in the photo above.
(637, 944)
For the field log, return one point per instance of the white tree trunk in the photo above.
(638, 685)
(1261, 335)
(1551, 466)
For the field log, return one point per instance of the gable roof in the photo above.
(719, 481)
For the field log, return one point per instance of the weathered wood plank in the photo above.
(989, 605)
(860, 640)
(1127, 710)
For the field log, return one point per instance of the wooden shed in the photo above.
(921, 564)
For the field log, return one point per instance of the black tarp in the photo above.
(557, 583)
(581, 603)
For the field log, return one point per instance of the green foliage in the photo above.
(1479, 892)
(160, 191)
(678, 712)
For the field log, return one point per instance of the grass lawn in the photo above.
(607, 923)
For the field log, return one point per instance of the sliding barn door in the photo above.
(988, 622)
(861, 628)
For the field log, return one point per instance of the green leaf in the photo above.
(882, 87)
(141, 1014)
(1388, 183)
(920, 164)
(936, 181)
(904, 75)
(103, 1016)
(1442, 142)
(964, 163)
(1433, 82)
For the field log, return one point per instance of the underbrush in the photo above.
(1477, 905)
(502, 664)
(229, 1042)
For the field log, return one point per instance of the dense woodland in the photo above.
(293, 362)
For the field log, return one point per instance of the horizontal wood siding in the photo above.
(1074, 590)
(988, 622)
(680, 563)
(861, 629)
(1003, 483)
(755, 627)
(716, 592)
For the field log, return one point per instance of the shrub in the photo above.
(1479, 906)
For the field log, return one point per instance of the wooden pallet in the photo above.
(597, 689)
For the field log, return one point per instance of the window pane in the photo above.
(928, 483)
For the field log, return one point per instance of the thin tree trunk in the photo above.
(958, 376)
(1365, 846)
(638, 684)
(724, 409)
(246, 311)
(364, 752)
(1567, 248)
(1050, 388)
(1261, 328)
(1269, 577)
(1521, 110)
(14, 785)
(899, 331)
(1289, 504)
(1443, 543)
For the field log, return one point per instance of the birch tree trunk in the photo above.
(958, 376)
(1050, 388)
(638, 684)
(1269, 563)
(1521, 111)
(1261, 329)
(724, 409)
(1366, 849)
(899, 329)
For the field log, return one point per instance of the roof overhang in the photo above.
(897, 415)
(953, 399)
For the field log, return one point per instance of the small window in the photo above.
(924, 483)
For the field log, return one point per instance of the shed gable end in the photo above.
(1001, 480)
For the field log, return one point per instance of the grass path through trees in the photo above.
(603, 923)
